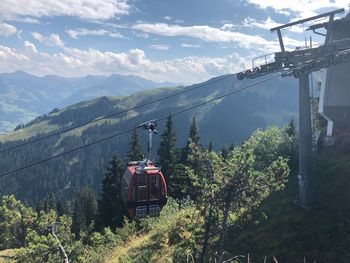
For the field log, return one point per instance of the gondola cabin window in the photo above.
(154, 187)
(142, 185)
(125, 186)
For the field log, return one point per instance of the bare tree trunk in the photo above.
(207, 233)
(211, 173)
(224, 226)
(62, 249)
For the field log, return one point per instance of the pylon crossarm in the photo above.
(303, 61)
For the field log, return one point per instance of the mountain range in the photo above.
(24, 96)
(230, 119)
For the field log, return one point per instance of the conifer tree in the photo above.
(181, 182)
(231, 147)
(193, 134)
(224, 152)
(290, 129)
(191, 179)
(110, 205)
(185, 171)
(193, 137)
(167, 150)
(50, 203)
(84, 211)
(291, 144)
(210, 147)
(135, 152)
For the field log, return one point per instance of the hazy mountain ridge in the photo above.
(24, 96)
(230, 119)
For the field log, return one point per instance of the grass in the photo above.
(142, 248)
(6, 255)
(41, 127)
(13, 114)
(154, 241)
(125, 251)
(79, 131)
(45, 126)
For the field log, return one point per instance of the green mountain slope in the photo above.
(24, 96)
(230, 119)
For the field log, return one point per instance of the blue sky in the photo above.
(184, 41)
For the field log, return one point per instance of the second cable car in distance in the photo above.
(144, 190)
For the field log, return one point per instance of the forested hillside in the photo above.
(25, 96)
(246, 211)
(195, 223)
(231, 119)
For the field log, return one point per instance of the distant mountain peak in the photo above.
(33, 96)
(21, 73)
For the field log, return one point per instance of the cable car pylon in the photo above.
(300, 63)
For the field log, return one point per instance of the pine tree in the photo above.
(231, 147)
(290, 129)
(224, 152)
(291, 144)
(84, 211)
(193, 137)
(210, 147)
(193, 134)
(135, 152)
(110, 205)
(192, 178)
(185, 176)
(167, 151)
(181, 182)
(50, 203)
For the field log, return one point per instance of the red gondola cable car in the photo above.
(144, 190)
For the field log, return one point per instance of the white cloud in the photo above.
(268, 24)
(55, 40)
(75, 62)
(28, 20)
(38, 36)
(207, 34)
(185, 45)
(159, 47)
(136, 56)
(7, 30)
(304, 8)
(228, 26)
(51, 40)
(76, 33)
(216, 35)
(141, 35)
(29, 48)
(82, 9)
(296, 43)
(179, 21)
(19, 34)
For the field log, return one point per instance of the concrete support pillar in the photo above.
(305, 142)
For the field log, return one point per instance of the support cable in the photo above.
(120, 112)
(131, 129)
